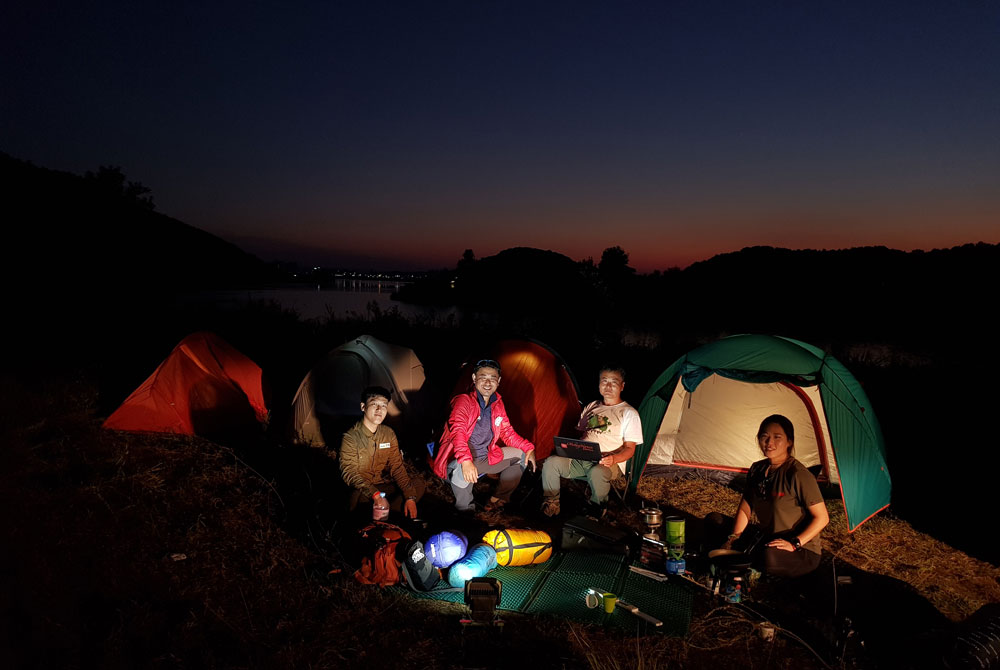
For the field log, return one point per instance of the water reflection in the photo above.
(339, 298)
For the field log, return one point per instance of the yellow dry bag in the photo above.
(519, 547)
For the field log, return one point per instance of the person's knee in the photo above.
(514, 456)
(601, 474)
(557, 465)
(715, 519)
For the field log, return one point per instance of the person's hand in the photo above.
(469, 472)
(607, 461)
(783, 545)
(529, 459)
(410, 509)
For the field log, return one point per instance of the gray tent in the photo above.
(328, 399)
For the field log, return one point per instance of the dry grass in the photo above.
(159, 551)
(955, 583)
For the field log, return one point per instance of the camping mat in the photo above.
(518, 584)
(557, 588)
(670, 602)
(592, 562)
(562, 595)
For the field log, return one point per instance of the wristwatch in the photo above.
(797, 543)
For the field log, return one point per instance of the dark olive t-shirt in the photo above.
(781, 500)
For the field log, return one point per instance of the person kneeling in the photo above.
(615, 426)
(788, 503)
(371, 463)
(469, 448)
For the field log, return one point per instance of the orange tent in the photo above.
(538, 389)
(204, 387)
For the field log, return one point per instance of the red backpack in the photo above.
(380, 562)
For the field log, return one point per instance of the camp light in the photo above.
(595, 598)
(482, 596)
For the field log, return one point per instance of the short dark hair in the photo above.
(486, 363)
(786, 425)
(612, 367)
(375, 392)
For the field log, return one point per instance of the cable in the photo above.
(785, 631)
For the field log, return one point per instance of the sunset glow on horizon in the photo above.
(395, 135)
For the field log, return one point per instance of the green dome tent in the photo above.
(705, 409)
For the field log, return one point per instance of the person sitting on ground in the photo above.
(614, 425)
(469, 448)
(370, 460)
(788, 503)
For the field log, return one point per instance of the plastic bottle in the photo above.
(735, 593)
(380, 507)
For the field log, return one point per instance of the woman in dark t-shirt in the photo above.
(787, 501)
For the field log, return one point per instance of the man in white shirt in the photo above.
(615, 426)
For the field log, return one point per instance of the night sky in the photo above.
(378, 134)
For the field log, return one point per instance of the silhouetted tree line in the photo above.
(921, 298)
(110, 181)
(91, 250)
(99, 232)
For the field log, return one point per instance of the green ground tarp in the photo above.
(557, 588)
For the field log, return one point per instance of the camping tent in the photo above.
(328, 399)
(705, 409)
(204, 387)
(539, 391)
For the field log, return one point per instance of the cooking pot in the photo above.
(652, 517)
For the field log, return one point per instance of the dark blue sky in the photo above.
(400, 134)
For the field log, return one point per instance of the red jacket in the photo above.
(462, 420)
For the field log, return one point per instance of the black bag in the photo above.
(585, 534)
(418, 572)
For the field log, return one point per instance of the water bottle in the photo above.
(380, 508)
(734, 593)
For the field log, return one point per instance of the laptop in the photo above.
(571, 447)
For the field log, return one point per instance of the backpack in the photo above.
(381, 549)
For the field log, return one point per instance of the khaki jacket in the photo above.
(365, 457)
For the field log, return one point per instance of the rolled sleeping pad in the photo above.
(445, 548)
(481, 559)
(519, 547)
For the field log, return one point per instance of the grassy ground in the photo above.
(136, 551)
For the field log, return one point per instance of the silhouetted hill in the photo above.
(520, 280)
(822, 296)
(89, 266)
(72, 231)
(870, 292)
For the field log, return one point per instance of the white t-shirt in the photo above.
(610, 426)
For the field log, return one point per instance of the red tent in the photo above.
(204, 387)
(538, 390)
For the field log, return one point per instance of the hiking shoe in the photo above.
(596, 511)
(550, 507)
(494, 505)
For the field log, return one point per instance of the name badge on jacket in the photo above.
(384, 445)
